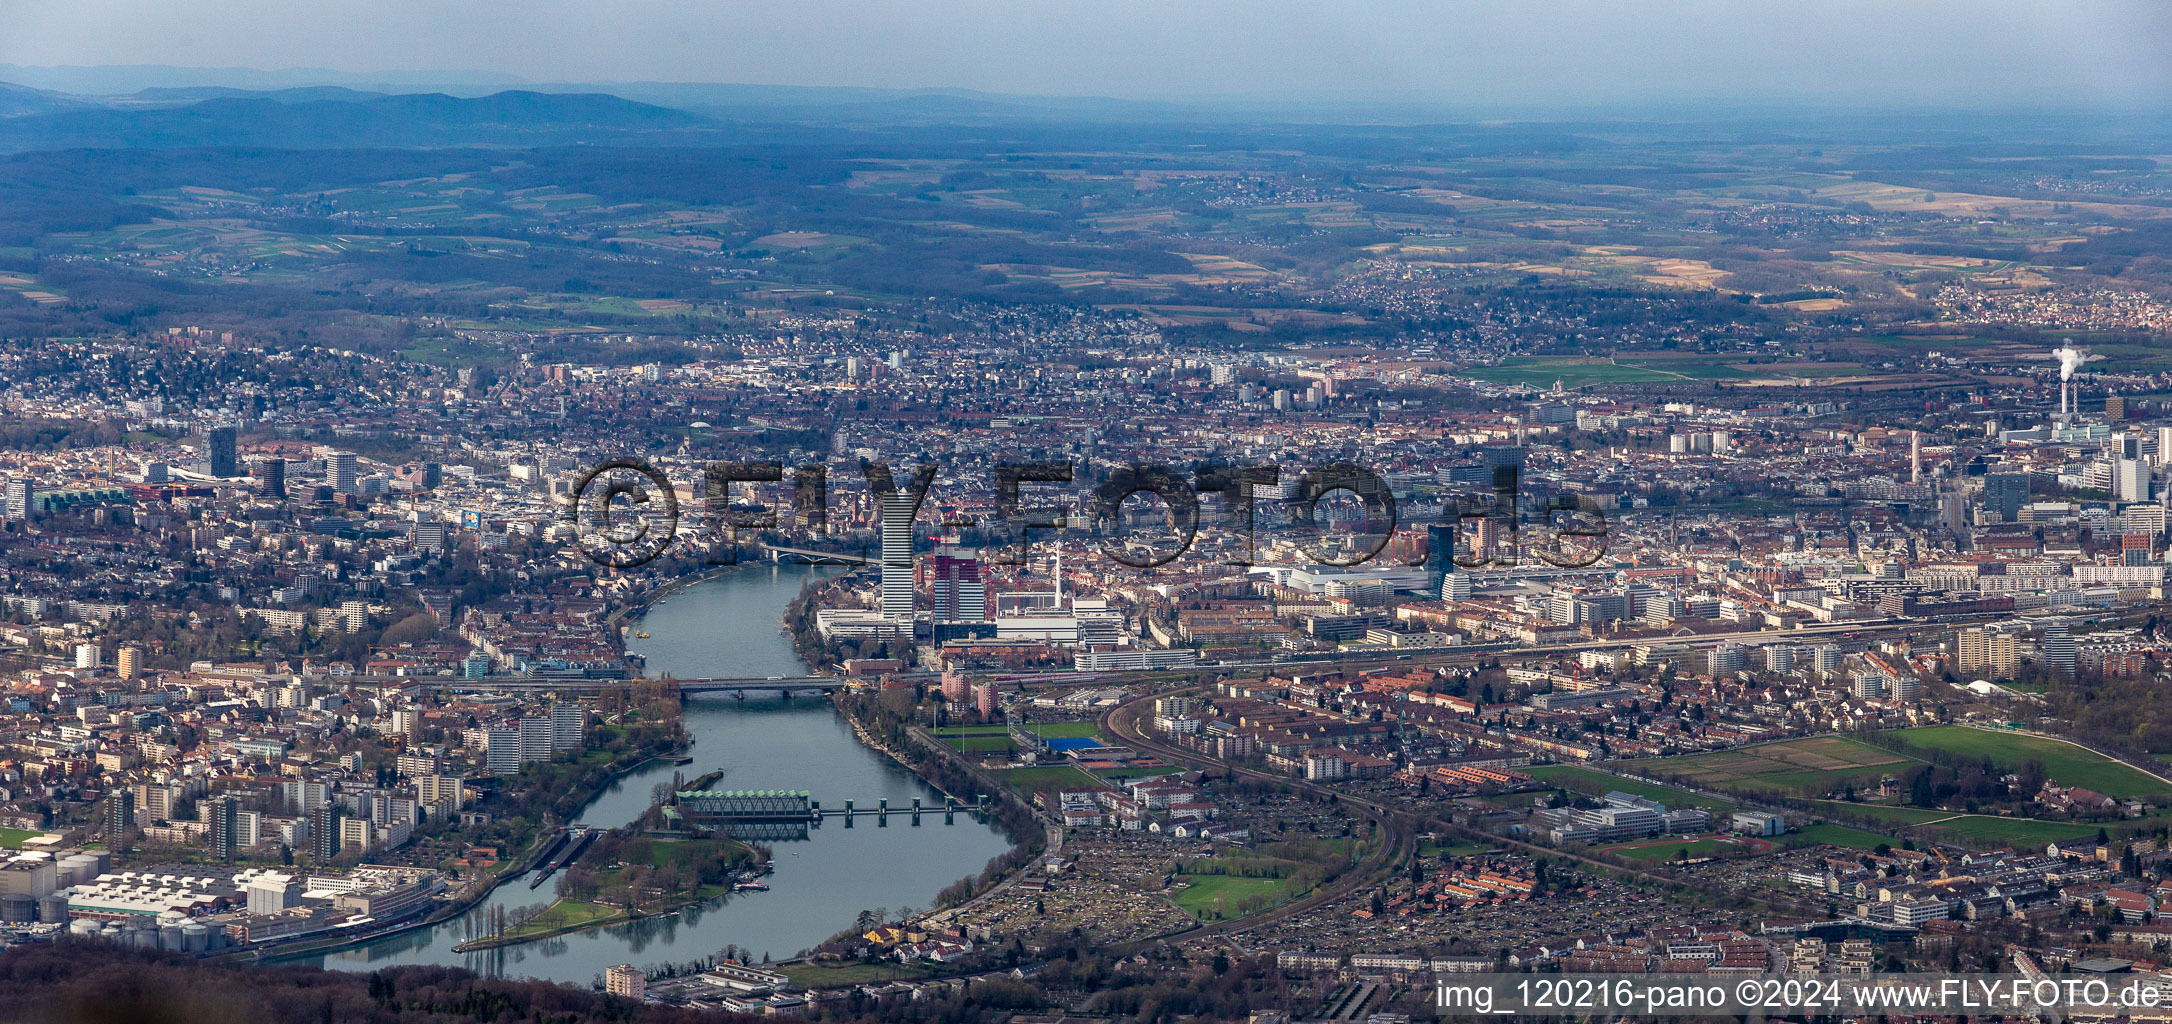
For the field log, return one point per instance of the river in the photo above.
(728, 626)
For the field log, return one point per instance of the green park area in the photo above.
(2064, 763)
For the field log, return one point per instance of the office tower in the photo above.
(1455, 586)
(956, 591)
(1915, 456)
(1440, 543)
(21, 492)
(2130, 480)
(2005, 493)
(2057, 649)
(433, 475)
(89, 656)
(220, 813)
(219, 458)
(897, 556)
(2115, 408)
(271, 477)
(129, 661)
(339, 467)
(120, 814)
(429, 535)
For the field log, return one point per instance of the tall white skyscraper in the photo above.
(2130, 480)
(340, 469)
(897, 556)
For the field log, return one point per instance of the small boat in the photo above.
(752, 887)
(640, 636)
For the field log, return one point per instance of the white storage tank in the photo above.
(196, 937)
(169, 937)
(83, 928)
(80, 869)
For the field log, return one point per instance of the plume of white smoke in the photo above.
(2069, 357)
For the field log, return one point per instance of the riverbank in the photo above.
(819, 883)
(672, 874)
(471, 895)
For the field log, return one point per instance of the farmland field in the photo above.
(2064, 763)
(1805, 766)
(1596, 783)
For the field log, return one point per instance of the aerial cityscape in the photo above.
(482, 545)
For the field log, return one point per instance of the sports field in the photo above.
(2064, 763)
(1047, 778)
(1807, 766)
(1212, 897)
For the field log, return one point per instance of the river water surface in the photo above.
(728, 626)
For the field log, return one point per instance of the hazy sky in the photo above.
(1998, 51)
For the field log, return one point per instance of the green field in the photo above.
(1047, 778)
(1459, 848)
(562, 915)
(988, 739)
(1115, 774)
(1981, 831)
(1835, 835)
(1596, 783)
(12, 838)
(1666, 851)
(1801, 767)
(1991, 830)
(1212, 897)
(1898, 817)
(1542, 372)
(1063, 730)
(2064, 763)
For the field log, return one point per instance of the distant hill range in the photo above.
(160, 107)
(332, 117)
